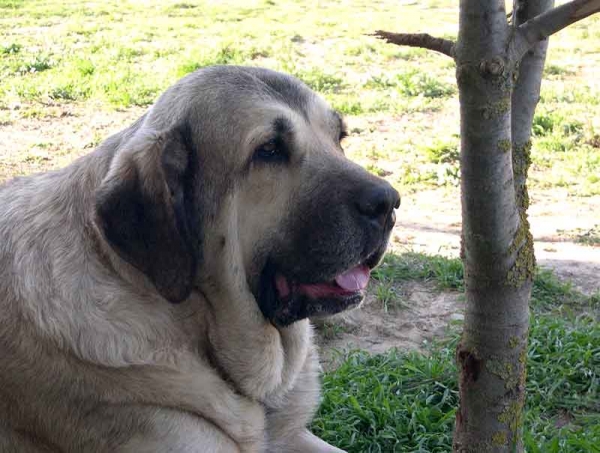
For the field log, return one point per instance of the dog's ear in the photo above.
(142, 208)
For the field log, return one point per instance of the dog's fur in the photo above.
(186, 206)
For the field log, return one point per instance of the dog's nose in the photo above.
(378, 203)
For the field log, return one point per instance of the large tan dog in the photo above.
(154, 295)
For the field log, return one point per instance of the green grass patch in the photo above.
(37, 63)
(387, 295)
(412, 83)
(10, 49)
(331, 330)
(557, 70)
(446, 272)
(121, 55)
(585, 236)
(319, 80)
(11, 4)
(441, 152)
(548, 291)
(391, 402)
(161, 43)
(415, 83)
(563, 378)
(406, 402)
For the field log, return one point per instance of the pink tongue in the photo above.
(354, 279)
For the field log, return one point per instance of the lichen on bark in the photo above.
(521, 161)
(504, 145)
(523, 268)
(522, 158)
(523, 356)
(505, 371)
(499, 438)
(512, 416)
(496, 109)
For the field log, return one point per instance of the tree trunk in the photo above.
(497, 248)
(499, 70)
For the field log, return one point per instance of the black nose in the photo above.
(378, 203)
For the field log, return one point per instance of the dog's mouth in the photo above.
(347, 283)
(284, 300)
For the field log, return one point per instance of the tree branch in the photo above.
(525, 97)
(422, 40)
(546, 24)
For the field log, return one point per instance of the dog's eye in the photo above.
(270, 151)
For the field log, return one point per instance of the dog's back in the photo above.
(42, 256)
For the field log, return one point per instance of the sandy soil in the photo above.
(422, 314)
(38, 144)
(431, 222)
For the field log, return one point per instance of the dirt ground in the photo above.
(428, 221)
(56, 136)
(424, 314)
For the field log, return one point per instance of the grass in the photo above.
(446, 272)
(122, 55)
(406, 402)
(391, 402)
(387, 294)
(331, 331)
(590, 236)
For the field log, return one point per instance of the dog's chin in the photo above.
(284, 300)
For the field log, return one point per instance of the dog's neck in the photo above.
(239, 332)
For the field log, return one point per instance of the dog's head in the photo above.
(236, 180)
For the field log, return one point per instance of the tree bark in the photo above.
(525, 97)
(498, 71)
(497, 257)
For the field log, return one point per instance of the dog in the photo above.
(155, 295)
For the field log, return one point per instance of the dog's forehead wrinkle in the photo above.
(230, 100)
(325, 121)
(286, 89)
